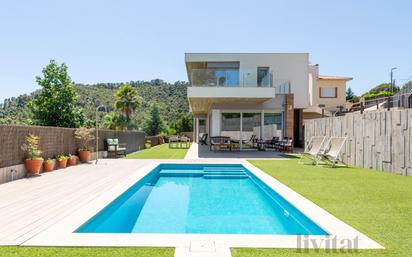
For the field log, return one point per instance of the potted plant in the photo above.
(62, 161)
(85, 136)
(48, 165)
(72, 160)
(33, 160)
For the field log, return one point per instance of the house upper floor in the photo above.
(254, 75)
(260, 77)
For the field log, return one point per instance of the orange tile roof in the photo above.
(334, 77)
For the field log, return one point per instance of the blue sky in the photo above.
(114, 41)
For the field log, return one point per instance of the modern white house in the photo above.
(262, 94)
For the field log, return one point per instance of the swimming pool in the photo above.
(201, 199)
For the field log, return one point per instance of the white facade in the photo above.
(239, 94)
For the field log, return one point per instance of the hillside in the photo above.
(171, 99)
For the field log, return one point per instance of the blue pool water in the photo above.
(198, 198)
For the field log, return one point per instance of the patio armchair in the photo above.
(286, 145)
(313, 149)
(272, 143)
(203, 139)
(114, 148)
(332, 150)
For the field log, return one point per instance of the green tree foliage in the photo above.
(170, 97)
(382, 90)
(114, 121)
(127, 100)
(407, 87)
(55, 104)
(350, 95)
(154, 122)
(183, 124)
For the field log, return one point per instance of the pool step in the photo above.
(180, 173)
(219, 176)
(217, 168)
(224, 173)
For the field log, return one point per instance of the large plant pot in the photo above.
(84, 156)
(48, 166)
(72, 161)
(33, 166)
(62, 164)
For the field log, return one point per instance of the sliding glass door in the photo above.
(248, 127)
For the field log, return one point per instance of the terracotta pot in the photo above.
(33, 166)
(72, 161)
(84, 156)
(48, 166)
(62, 164)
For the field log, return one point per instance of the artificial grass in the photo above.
(159, 152)
(376, 203)
(84, 252)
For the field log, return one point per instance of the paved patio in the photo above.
(29, 206)
(202, 152)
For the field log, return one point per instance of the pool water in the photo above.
(197, 198)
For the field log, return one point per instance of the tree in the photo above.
(154, 123)
(127, 100)
(349, 94)
(55, 105)
(114, 121)
(183, 124)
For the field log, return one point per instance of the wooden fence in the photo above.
(55, 141)
(378, 140)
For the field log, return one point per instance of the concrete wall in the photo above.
(291, 67)
(378, 140)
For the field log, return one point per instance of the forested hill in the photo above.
(171, 99)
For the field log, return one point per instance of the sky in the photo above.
(120, 41)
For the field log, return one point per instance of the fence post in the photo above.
(388, 103)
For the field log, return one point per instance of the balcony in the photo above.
(210, 86)
(235, 78)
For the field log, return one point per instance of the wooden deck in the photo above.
(29, 206)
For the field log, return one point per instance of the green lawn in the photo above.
(376, 203)
(158, 152)
(84, 252)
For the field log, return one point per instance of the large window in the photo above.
(272, 125)
(231, 125)
(328, 92)
(226, 74)
(263, 77)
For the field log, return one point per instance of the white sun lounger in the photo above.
(313, 149)
(332, 150)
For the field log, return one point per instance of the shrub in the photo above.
(85, 136)
(31, 147)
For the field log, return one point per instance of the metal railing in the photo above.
(387, 102)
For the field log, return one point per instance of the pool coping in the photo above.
(341, 235)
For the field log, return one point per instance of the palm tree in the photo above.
(114, 121)
(127, 100)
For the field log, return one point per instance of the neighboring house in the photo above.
(262, 94)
